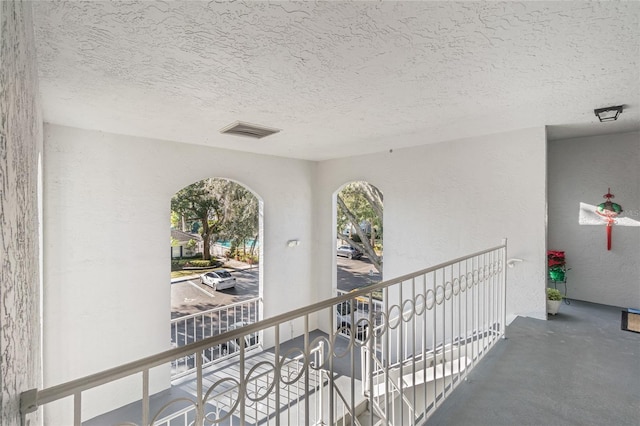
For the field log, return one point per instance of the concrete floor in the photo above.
(577, 368)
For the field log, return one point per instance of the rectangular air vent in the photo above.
(241, 128)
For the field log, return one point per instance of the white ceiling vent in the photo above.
(241, 128)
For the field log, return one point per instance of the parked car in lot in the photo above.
(218, 280)
(350, 252)
(250, 340)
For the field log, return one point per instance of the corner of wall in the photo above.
(21, 148)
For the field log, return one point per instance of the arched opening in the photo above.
(216, 253)
(358, 228)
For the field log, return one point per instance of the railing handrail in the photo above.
(229, 306)
(31, 399)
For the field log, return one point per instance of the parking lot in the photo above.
(191, 296)
(356, 273)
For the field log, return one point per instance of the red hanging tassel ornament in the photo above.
(609, 211)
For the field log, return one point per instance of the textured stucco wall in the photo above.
(20, 145)
(446, 200)
(107, 243)
(581, 170)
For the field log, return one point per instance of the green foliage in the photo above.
(177, 265)
(217, 208)
(243, 220)
(175, 220)
(553, 294)
(199, 263)
(364, 202)
(360, 218)
(247, 257)
(191, 244)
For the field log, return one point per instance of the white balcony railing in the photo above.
(397, 364)
(193, 328)
(361, 307)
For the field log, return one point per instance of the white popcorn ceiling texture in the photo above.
(339, 78)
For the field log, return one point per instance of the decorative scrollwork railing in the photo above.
(397, 364)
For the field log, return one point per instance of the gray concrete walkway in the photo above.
(577, 368)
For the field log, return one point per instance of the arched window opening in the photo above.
(360, 220)
(359, 235)
(217, 213)
(216, 251)
(359, 246)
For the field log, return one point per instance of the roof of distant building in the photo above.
(184, 236)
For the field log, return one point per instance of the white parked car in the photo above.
(218, 280)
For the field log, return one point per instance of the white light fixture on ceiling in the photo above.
(608, 113)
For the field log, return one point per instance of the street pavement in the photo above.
(356, 273)
(189, 295)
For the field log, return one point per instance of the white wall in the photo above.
(104, 306)
(446, 200)
(20, 150)
(582, 170)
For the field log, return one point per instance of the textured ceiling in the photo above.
(339, 78)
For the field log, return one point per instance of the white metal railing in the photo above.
(440, 323)
(360, 306)
(290, 371)
(434, 327)
(193, 328)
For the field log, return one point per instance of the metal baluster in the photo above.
(200, 402)
(444, 333)
(145, 397)
(481, 308)
(413, 349)
(493, 297)
(474, 332)
(401, 332)
(424, 345)
(243, 382)
(434, 329)
(368, 360)
(331, 357)
(504, 289)
(451, 325)
(307, 353)
(459, 301)
(77, 408)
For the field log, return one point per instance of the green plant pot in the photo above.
(556, 274)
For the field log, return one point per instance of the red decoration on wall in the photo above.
(609, 211)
